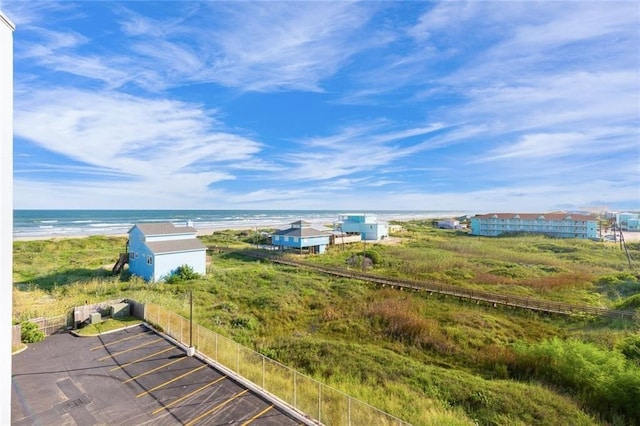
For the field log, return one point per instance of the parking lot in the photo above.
(133, 376)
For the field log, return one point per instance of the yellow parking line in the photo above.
(130, 349)
(172, 380)
(153, 369)
(118, 341)
(206, 413)
(141, 359)
(189, 394)
(257, 415)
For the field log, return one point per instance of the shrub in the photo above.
(357, 261)
(182, 273)
(603, 380)
(243, 322)
(373, 255)
(31, 333)
(629, 303)
(630, 348)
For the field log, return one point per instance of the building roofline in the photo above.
(7, 21)
(155, 229)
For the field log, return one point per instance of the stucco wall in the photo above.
(165, 264)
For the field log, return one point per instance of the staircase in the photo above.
(122, 260)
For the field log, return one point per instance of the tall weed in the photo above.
(603, 380)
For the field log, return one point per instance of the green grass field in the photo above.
(426, 359)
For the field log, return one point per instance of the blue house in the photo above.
(300, 235)
(367, 225)
(156, 250)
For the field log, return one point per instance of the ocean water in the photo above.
(63, 223)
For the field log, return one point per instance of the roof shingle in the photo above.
(164, 228)
(191, 244)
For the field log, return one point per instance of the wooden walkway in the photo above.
(450, 290)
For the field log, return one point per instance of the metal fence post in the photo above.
(295, 394)
(349, 410)
(216, 346)
(238, 358)
(319, 402)
(263, 357)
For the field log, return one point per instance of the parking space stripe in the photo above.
(172, 403)
(257, 415)
(154, 369)
(172, 380)
(141, 359)
(217, 407)
(130, 349)
(119, 340)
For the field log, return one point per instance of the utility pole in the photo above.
(364, 250)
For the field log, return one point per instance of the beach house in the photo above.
(561, 225)
(367, 225)
(628, 221)
(156, 250)
(301, 235)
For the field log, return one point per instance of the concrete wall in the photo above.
(6, 210)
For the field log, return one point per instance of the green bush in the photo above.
(630, 348)
(181, 274)
(31, 333)
(629, 303)
(245, 322)
(373, 255)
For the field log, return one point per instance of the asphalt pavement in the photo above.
(134, 377)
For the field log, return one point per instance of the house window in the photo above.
(149, 260)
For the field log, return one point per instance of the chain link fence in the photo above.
(327, 405)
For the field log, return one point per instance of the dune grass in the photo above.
(425, 359)
(107, 325)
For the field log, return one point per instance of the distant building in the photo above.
(367, 225)
(156, 250)
(302, 236)
(561, 225)
(395, 228)
(449, 224)
(628, 221)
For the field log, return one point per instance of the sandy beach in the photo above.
(628, 236)
(208, 227)
(199, 232)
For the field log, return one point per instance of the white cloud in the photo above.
(355, 150)
(537, 101)
(157, 146)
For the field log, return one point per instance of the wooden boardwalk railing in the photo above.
(449, 290)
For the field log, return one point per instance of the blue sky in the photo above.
(479, 106)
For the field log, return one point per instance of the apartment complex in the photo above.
(561, 225)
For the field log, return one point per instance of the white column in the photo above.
(6, 211)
